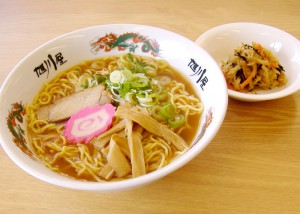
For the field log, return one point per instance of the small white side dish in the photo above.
(221, 41)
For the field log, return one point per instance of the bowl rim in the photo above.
(248, 96)
(118, 185)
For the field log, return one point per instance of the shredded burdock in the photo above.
(253, 67)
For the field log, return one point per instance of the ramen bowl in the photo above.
(43, 64)
(221, 41)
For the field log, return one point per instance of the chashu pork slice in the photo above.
(65, 107)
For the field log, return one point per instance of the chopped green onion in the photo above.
(139, 68)
(115, 91)
(125, 88)
(142, 63)
(139, 75)
(149, 104)
(156, 86)
(130, 57)
(100, 79)
(127, 74)
(85, 82)
(177, 120)
(116, 76)
(142, 94)
(145, 99)
(94, 83)
(168, 111)
(140, 83)
(130, 97)
(155, 112)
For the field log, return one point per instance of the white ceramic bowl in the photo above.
(63, 52)
(220, 42)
